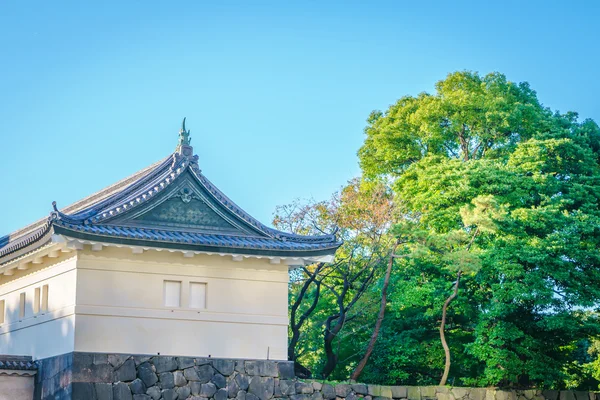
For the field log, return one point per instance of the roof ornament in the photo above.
(184, 135)
(184, 152)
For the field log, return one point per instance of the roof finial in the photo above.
(184, 135)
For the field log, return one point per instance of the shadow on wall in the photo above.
(35, 331)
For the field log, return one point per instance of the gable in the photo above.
(193, 213)
(185, 206)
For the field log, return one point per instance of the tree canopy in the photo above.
(490, 186)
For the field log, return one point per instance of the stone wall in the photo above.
(91, 376)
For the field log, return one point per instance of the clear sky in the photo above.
(275, 93)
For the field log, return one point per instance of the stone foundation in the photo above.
(92, 376)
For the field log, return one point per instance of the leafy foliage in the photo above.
(489, 182)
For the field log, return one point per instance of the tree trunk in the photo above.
(330, 334)
(296, 325)
(363, 362)
(442, 325)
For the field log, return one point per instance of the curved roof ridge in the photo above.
(81, 204)
(308, 238)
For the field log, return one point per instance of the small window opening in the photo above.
(22, 306)
(172, 294)
(44, 305)
(197, 295)
(36, 301)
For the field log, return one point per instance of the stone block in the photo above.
(191, 374)
(121, 391)
(221, 394)
(300, 397)
(382, 398)
(490, 394)
(316, 396)
(242, 381)
(167, 381)
(352, 396)
(183, 392)
(185, 362)
(412, 392)
(208, 390)
(100, 358)
(137, 386)
(204, 373)
(126, 372)
(219, 381)
(164, 363)
(267, 368)
(195, 388)
(251, 367)
(304, 388)
(550, 394)
(250, 396)
(116, 360)
(261, 387)
(240, 366)
(141, 397)
(103, 391)
(287, 387)
(477, 394)
(154, 392)
(444, 396)
(169, 394)
(83, 391)
(506, 395)
(93, 373)
(360, 388)
(317, 385)
(458, 392)
(277, 389)
(224, 367)
(342, 390)
(398, 392)
(286, 369)
(179, 379)
(232, 388)
(428, 392)
(140, 360)
(530, 394)
(580, 395)
(241, 395)
(328, 391)
(146, 374)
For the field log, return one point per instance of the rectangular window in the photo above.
(36, 301)
(197, 295)
(44, 298)
(22, 306)
(1, 311)
(172, 294)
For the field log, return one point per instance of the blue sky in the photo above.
(275, 93)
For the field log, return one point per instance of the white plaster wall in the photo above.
(16, 387)
(120, 305)
(44, 334)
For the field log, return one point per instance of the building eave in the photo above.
(186, 247)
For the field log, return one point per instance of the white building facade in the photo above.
(159, 263)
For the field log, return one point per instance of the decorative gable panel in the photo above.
(185, 206)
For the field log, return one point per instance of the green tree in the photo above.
(538, 268)
(325, 297)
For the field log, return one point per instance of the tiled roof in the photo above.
(17, 363)
(203, 239)
(100, 217)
